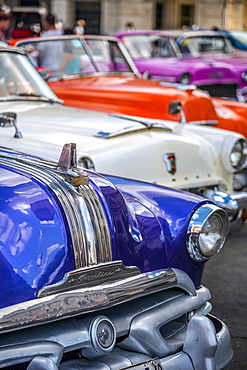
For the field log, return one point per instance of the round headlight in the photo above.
(184, 78)
(244, 76)
(207, 232)
(233, 154)
(238, 154)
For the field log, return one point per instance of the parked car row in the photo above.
(103, 245)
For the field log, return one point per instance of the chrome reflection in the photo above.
(83, 210)
(102, 295)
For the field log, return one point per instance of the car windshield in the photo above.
(60, 56)
(149, 46)
(204, 44)
(19, 80)
(108, 55)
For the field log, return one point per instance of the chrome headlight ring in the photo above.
(234, 154)
(207, 232)
(185, 78)
(244, 75)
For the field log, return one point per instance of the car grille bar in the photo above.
(221, 90)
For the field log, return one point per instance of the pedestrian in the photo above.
(79, 28)
(50, 26)
(50, 53)
(129, 26)
(5, 19)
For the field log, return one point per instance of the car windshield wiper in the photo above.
(31, 95)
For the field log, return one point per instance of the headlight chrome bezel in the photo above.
(244, 75)
(229, 147)
(197, 224)
(186, 77)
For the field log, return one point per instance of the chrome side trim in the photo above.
(88, 226)
(210, 122)
(88, 299)
(178, 85)
(149, 124)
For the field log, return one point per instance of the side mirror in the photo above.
(8, 119)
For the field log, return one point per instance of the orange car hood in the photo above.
(134, 96)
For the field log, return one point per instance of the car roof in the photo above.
(100, 37)
(174, 33)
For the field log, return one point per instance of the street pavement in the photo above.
(226, 277)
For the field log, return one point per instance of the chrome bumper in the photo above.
(235, 204)
(168, 320)
(204, 348)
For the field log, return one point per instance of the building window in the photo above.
(158, 19)
(29, 3)
(187, 15)
(90, 12)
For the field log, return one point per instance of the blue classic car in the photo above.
(104, 273)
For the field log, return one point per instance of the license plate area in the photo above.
(153, 364)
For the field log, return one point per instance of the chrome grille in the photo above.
(221, 90)
(101, 251)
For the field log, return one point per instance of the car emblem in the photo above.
(103, 335)
(216, 75)
(170, 161)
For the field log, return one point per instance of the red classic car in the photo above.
(107, 80)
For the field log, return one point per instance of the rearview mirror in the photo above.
(8, 119)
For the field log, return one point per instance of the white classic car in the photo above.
(188, 157)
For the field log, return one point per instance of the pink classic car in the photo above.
(174, 56)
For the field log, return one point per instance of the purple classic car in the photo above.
(174, 56)
(104, 273)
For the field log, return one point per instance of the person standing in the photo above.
(50, 26)
(50, 53)
(5, 19)
(79, 28)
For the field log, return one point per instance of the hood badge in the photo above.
(170, 161)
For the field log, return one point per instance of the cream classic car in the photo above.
(188, 157)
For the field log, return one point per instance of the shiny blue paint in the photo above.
(35, 246)
(147, 223)
(150, 224)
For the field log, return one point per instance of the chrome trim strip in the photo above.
(147, 122)
(178, 85)
(89, 299)
(87, 226)
(129, 131)
(150, 124)
(210, 122)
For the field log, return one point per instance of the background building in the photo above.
(110, 16)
